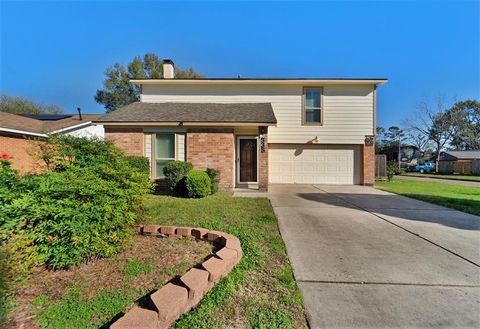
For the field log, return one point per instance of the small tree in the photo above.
(436, 123)
(394, 136)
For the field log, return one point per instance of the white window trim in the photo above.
(154, 148)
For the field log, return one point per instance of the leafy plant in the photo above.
(198, 184)
(214, 175)
(139, 162)
(392, 169)
(174, 172)
(83, 208)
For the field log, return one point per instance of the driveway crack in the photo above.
(391, 283)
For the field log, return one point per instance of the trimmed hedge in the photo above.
(198, 184)
(174, 172)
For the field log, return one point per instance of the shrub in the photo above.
(214, 175)
(174, 172)
(392, 169)
(140, 163)
(83, 208)
(198, 184)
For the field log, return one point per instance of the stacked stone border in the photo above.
(177, 297)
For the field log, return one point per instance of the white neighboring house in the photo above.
(18, 133)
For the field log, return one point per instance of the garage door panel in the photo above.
(314, 164)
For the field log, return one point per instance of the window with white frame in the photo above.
(164, 151)
(312, 105)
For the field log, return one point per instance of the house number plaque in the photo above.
(262, 144)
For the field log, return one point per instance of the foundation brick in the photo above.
(137, 318)
(199, 233)
(212, 149)
(196, 282)
(216, 268)
(228, 255)
(170, 301)
(168, 230)
(183, 231)
(368, 165)
(130, 140)
(152, 229)
(23, 153)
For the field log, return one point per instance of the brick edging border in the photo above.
(168, 303)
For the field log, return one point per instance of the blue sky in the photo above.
(56, 52)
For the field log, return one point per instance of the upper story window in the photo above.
(312, 105)
(164, 152)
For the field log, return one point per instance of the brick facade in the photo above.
(213, 149)
(263, 159)
(131, 141)
(23, 152)
(368, 165)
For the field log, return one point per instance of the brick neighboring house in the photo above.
(255, 131)
(20, 134)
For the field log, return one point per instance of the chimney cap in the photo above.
(167, 61)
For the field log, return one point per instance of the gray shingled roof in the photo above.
(193, 112)
(460, 155)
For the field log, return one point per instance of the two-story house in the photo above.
(255, 131)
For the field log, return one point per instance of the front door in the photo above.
(247, 159)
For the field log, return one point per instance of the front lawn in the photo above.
(463, 198)
(455, 177)
(261, 291)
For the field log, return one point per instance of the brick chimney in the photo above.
(168, 69)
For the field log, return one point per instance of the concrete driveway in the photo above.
(366, 258)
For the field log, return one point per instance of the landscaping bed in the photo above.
(94, 294)
(463, 198)
(261, 291)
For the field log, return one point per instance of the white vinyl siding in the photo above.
(314, 164)
(180, 147)
(347, 109)
(148, 150)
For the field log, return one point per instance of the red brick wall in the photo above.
(213, 150)
(368, 157)
(131, 141)
(263, 159)
(23, 152)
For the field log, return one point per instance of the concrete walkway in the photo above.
(439, 180)
(366, 258)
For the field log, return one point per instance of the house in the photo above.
(20, 133)
(255, 131)
(460, 162)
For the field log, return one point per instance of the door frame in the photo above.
(237, 157)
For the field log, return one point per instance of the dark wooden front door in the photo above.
(248, 160)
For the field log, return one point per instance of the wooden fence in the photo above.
(380, 166)
(463, 167)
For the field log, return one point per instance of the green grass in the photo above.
(455, 177)
(134, 268)
(463, 198)
(261, 291)
(74, 311)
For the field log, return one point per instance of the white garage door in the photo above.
(314, 164)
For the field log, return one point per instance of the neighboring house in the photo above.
(460, 162)
(20, 133)
(255, 131)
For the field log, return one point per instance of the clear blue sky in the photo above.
(56, 52)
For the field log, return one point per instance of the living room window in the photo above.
(312, 106)
(164, 152)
